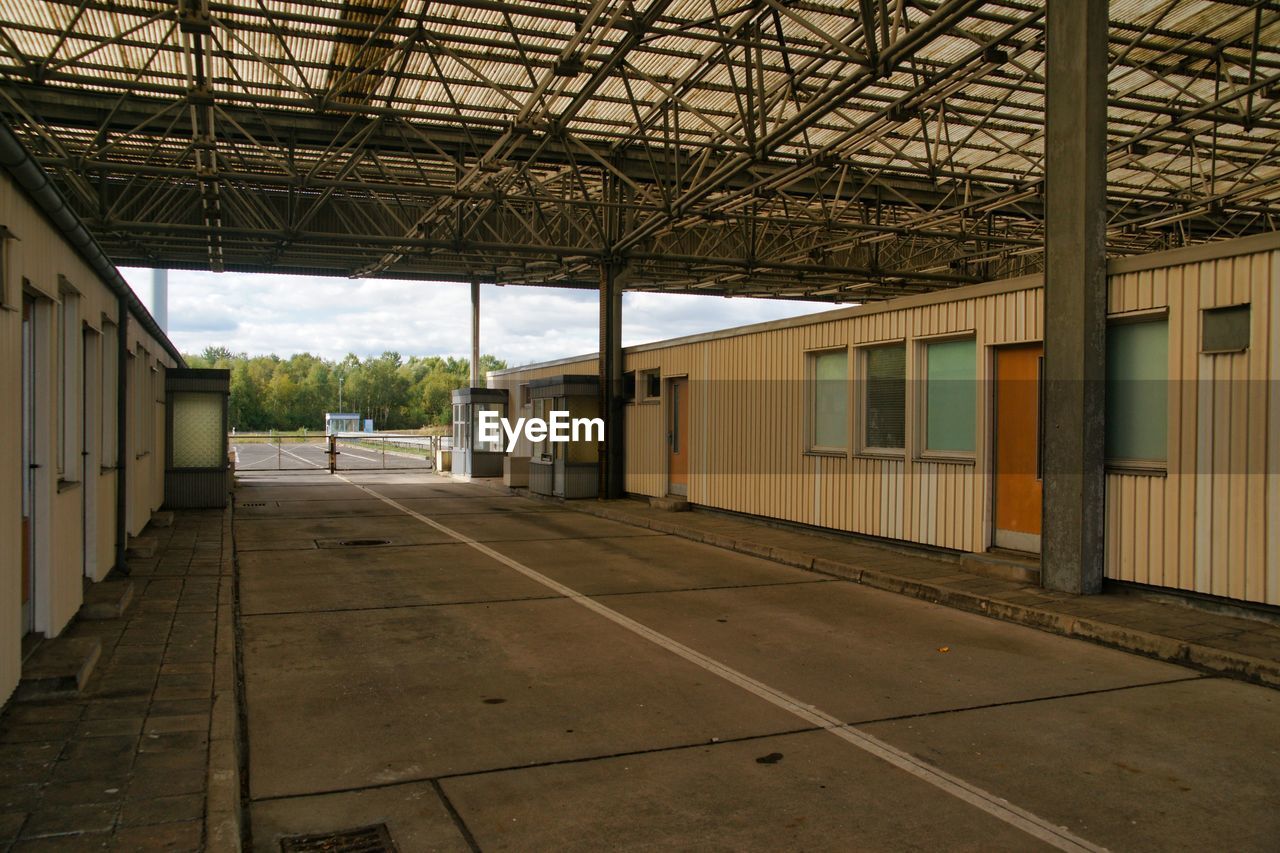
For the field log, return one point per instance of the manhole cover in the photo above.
(366, 839)
(358, 543)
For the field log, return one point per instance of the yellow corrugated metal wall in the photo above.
(1211, 523)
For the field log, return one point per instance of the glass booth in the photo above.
(566, 469)
(471, 456)
(197, 468)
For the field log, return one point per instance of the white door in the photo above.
(91, 416)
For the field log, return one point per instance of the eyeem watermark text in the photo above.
(559, 428)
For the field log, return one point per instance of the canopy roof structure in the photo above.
(820, 149)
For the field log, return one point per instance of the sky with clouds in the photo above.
(331, 317)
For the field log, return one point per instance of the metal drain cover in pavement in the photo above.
(366, 839)
(352, 543)
(252, 504)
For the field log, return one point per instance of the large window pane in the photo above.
(951, 396)
(1137, 391)
(197, 430)
(886, 398)
(495, 445)
(830, 402)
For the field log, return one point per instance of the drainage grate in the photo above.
(253, 504)
(366, 839)
(357, 543)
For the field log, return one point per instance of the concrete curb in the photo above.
(222, 812)
(1206, 658)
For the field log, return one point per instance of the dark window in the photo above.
(886, 401)
(629, 385)
(652, 385)
(1225, 329)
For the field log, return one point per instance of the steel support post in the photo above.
(475, 333)
(612, 454)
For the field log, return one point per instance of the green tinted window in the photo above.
(830, 401)
(1137, 391)
(951, 391)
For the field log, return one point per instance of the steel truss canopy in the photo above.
(817, 149)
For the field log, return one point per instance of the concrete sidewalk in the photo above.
(1239, 647)
(124, 765)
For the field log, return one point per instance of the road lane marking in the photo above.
(1015, 816)
(300, 459)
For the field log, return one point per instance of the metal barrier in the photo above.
(362, 451)
(347, 451)
(279, 451)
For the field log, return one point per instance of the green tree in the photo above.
(268, 392)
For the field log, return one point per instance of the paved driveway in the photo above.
(482, 671)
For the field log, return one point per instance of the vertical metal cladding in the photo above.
(1207, 520)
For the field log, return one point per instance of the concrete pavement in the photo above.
(488, 672)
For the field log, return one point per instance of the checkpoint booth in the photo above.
(472, 457)
(197, 464)
(338, 422)
(565, 469)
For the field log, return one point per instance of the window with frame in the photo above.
(651, 384)
(542, 449)
(1225, 329)
(829, 400)
(493, 445)
(460, 436)
(951, 396)
(884, 398)
(1138, 391)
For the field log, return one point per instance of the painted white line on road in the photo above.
(300, 459)
(358, 455)
(1033, 825)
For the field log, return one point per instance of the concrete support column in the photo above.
(1075, 296)
(475, 333)
(612, 455)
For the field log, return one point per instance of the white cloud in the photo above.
(330, 317)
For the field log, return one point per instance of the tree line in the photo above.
(270, 392)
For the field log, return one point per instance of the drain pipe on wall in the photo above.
(122, 438)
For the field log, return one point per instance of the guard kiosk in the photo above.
(471, 456)
(197, 467)
(567, 469)
(337, 422)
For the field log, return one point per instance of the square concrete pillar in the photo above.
(1075, 296)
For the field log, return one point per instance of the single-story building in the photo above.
(918, 419)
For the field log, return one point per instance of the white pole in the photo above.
(475, 333)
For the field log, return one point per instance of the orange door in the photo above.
(678, 437)
(1017, 451)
